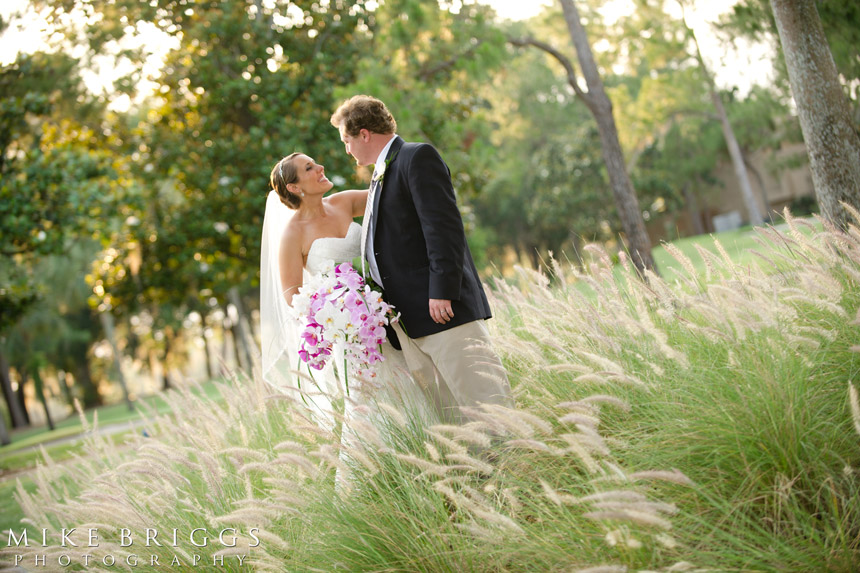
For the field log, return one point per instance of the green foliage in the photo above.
(243, 85)
(431, 67)
(56, 177)
(841, 22)
(667, 118)
(547, 190)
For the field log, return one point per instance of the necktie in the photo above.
(368, 212)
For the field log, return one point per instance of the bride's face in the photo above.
(311, 176)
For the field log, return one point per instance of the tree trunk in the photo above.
(601, 107)
(165, 369)
(83, 376)
(63, 381)
(16, 413)
(21, 395)
(831, 142)
(226, 335)
(108, 326)
(40, 392)
(241, 327)
(237, 350)
(207, 350)
(768, 213)
(693, 210)
(534, 257)
(753, 210)
(5, 440)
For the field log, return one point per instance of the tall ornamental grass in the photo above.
(708, 424)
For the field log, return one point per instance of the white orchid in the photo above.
(337, 307)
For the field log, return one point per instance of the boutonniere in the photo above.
(379, 174)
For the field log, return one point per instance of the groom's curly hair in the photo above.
(364, 112)
(283, 173)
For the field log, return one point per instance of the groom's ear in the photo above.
(364, 134)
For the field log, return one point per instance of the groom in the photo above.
(415, 247)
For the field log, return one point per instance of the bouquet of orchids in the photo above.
(336, 306)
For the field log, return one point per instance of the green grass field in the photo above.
(709, 421)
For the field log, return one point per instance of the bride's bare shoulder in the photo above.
(350, 202)
(293, 234)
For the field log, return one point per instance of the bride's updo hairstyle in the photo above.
(283, 174)
(364, 112)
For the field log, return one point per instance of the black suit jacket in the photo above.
(419, 241)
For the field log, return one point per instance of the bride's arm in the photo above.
(352, 200)
(290, 263)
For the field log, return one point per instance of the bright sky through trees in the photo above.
(741, 67)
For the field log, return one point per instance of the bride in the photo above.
(304, 232)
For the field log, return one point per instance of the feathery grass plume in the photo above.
(802, 342)
(253, 516)
(826, 334)
(367, 432)
(765, 258)
(466, 433)
(475, 464)
(622, 495)
(576, 446)
(540, 425)
(819, 303)
(640, 506)
(712, 262)
(578, 418)
(686, 263)
(429, 468)
(474, 506)
(240, 453)
(622, 537)
(600, 361)
(395, 414)
(592, 441)
(643, 518)
(827, 254)
(855, 406)
(604, 399)
(432, 451)
(603, 569)
(273, 541)
(481, 533)
(305, 466)
(159, 453)
(673, 476)
(85, 425)
(448, 443)
(556, 497)
(591, 378)
(360, 455)
(728, 263)
(534, 445)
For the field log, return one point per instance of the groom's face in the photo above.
(359, 146)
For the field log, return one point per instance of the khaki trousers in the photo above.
(457, 368)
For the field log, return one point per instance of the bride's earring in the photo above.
(302, 193)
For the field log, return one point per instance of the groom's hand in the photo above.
(440, 310)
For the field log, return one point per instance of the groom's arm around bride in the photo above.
(416, 249)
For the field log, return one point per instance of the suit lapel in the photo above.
(390, 158)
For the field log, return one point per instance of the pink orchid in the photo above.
(337, 306)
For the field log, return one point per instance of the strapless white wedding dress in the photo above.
(334, 249)
(365, 416)
(394, 385)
